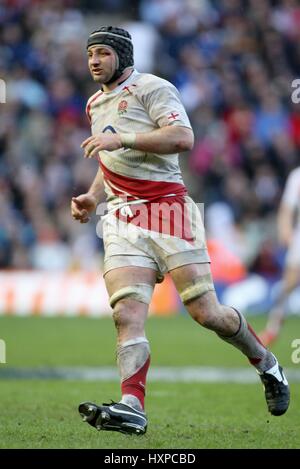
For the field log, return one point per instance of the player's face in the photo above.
(102, 63)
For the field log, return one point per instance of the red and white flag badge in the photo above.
(173, 116)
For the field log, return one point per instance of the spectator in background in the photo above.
(289, 237)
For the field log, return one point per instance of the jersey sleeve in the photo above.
(291, 193)
(165, 107)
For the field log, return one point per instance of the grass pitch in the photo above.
(43, 414)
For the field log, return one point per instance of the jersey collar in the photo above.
(124, 83)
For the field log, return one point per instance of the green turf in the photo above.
(43, 414)
(176, 341)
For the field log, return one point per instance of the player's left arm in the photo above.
(166, 140)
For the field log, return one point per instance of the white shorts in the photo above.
(129, 244)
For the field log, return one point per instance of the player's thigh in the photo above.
(195, 286)
(118, 278)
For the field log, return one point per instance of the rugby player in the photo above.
(138, 128)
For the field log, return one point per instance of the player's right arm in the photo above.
(285, 225)
(83, 205)
(287, 208)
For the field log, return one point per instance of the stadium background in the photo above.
(234, 62)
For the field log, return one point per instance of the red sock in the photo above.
(136, 384)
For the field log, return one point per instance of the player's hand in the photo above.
(82, 206)
(104, 141)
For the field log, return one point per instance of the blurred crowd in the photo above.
(233, 61)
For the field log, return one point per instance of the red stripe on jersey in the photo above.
(89, 103)
(168, 215)
(140, 188)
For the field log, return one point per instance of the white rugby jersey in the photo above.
(291, 194)
(140, 104)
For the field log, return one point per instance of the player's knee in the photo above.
(121, 315)
(127, 316)
(206, 312)
(130, 305)
(205, 318)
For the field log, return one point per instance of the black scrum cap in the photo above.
(120, 41)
